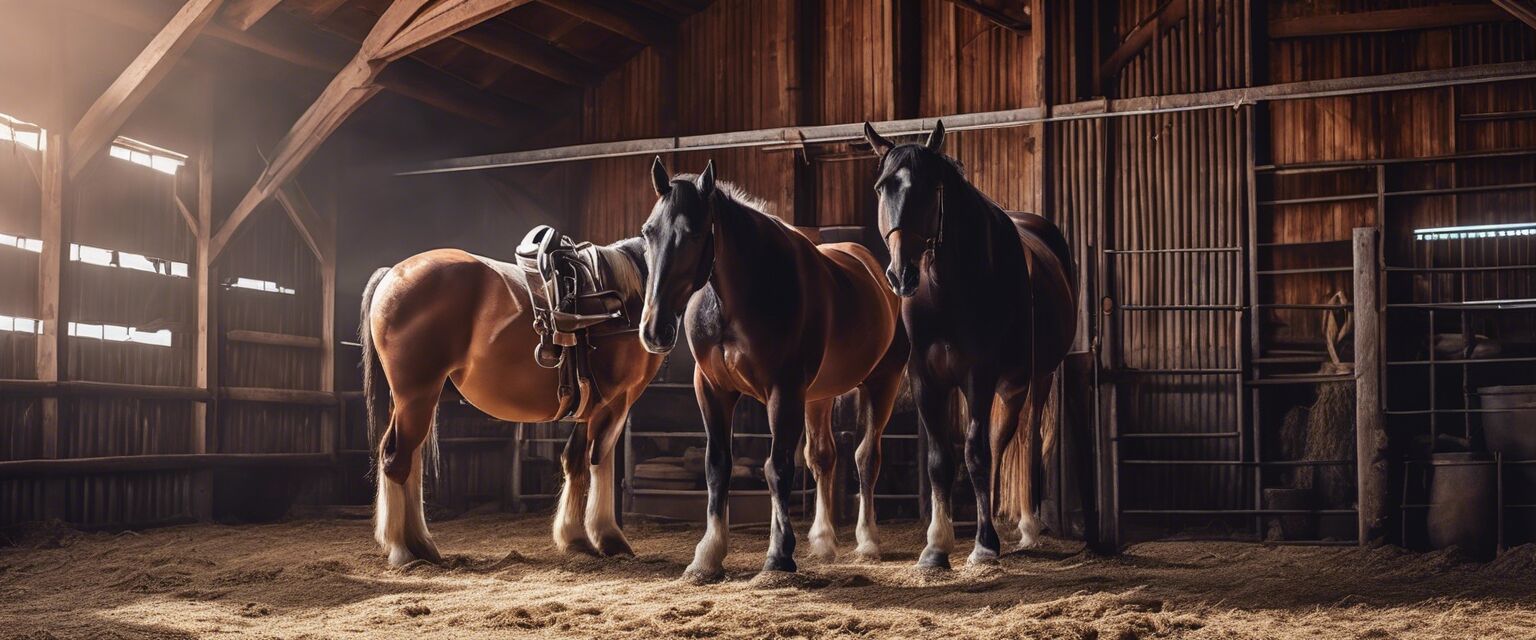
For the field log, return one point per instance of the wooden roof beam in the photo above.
(405, 25)
(1384, 20)
(631, 23)
(523, 49)
(1014, 20)
(1165, 17)
(102, 121)
(241, 14)
(443, 19)
(1525, 10)
(418, 84)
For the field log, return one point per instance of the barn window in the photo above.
(1510, 230)
(140, 153)
(126, 260)
(25, 244)
(260, 285)
(20, 325)
(117, 333)
(25, 134)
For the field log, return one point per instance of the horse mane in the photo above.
(734, 194)
(625, 260)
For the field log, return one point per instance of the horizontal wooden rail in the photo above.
(790, 137)
(160, 462)
(274, 339)
(84, 388)
(279, 396)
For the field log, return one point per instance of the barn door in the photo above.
(1172, 291)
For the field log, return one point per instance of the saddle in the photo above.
(571, 301)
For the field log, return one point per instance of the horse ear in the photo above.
(707, 180)
(936, 137)
(880, 145)
(659, 179)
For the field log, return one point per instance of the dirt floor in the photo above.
(326, 579)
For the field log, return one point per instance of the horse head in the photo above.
(911, 218)
(680, 251)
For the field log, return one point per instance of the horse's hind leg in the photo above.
(400, 523)
(821, 456)
(1029, 518)
(876, 400)
(569, 530)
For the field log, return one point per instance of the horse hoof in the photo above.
(399, 557)
(785, 564)
(823, 554)
(615, 546)
(869, 553)
(982, 556)
(579, 547)
(699, 575)
(933, 559)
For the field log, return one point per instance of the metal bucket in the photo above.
(1511, 432)
(1462, 504)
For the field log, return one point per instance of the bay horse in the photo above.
(989, 304)
(770, 315)
(448, 315)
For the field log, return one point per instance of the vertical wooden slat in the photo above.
(50, 343)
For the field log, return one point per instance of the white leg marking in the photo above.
(568, 527)
(389, 520)
(1029, 530)
(941, 530)
(823, 534)
(709, 556)
(601, 521)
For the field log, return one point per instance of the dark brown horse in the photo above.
(448, 315)
(989, 302)
(775, 317)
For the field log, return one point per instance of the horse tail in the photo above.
(375, 386)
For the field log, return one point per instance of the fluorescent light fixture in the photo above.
(1510, 230)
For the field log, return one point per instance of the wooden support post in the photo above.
(1372, 461)
(50, 342)
(205, 417)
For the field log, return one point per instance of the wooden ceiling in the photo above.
(540, 54)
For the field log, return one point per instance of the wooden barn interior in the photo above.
(1304, 234)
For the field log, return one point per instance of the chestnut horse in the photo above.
(990, 305)
(448, 315)
(775, 317)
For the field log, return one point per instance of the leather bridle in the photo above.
(935, 238)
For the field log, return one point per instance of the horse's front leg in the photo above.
(933, 413)
(605, 427)
(786, 419)
(979, 392)
(716, 406)
(570, 534)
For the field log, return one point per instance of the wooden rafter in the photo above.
(1525, 10)
(523, 49)
(241, 14)
(101, 122)
(1006, 14)
(1384, 20)
(630, 23)
(1167, 16)
(317, 54)
(441, 20)
(404, 26)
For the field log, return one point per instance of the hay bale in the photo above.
(1331, 436)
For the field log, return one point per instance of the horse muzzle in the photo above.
(658, 336)
(903, 278)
